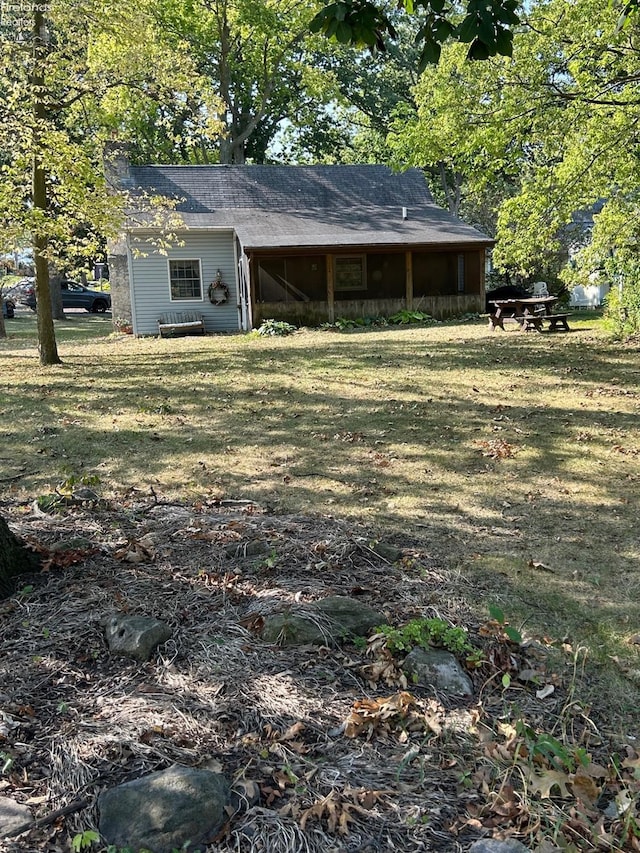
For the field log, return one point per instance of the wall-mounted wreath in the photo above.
(218, 290)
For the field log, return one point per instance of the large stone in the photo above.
(135, 636)
(291, 629)
(165, 810)
(438, 668)
(325, 623)
(388, 552)
(76, 543)
(353, 618)
(493, 845)
(14, 818)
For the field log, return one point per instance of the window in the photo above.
(185, 280)
(350, 273)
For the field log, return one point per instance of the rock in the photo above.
(135, 636)
(14, 818)
(85, 494)
(77, 543)
(290, 629)
(163, 811)
(492, 845)
(354, 618)
(325, 623)
(244, 795)
(387, 552)
(438, 668)
(255, 548)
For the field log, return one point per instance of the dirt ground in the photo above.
(74, 719)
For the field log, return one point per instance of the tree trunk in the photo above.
(46, 333)
(3, 330)
(15, 559)
(56, 296)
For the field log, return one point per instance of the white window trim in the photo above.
(356, 255)
(189, 298)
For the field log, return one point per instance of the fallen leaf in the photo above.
(584, 788)
(595, 770)
(134, 552)
(543, 783)
(546, 691)
(533, 564)
(293, 731)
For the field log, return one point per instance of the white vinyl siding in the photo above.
(150, 280)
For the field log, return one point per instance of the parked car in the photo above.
(75, 295)
(21, 291)
(8, 308)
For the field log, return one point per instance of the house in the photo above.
(588, 296)
(306, 244)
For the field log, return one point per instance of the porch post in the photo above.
(330, 303)
(408, 256)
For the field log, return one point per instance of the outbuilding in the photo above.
(305, 244)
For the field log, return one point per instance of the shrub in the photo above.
(276, 327)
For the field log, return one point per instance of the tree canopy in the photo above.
(485, 25)
(527, 144)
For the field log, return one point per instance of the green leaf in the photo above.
(512, 634)
(341, 12)
(504, 42)
(467, 30)
(443, 29)
(486, 29)
(506, 680)
(344, 33)
(331, 27)
(430, 55)
(496, 613)
(479, 50)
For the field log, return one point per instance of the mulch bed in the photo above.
(74, 719)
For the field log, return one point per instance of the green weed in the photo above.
(423, 633)
(84, 840)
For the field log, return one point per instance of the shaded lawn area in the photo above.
(512, 457)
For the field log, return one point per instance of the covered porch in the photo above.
(309, 287)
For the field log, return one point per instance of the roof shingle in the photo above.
(305, 206)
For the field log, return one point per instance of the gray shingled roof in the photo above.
(309, 206)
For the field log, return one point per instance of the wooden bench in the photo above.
(558, 319)
(176, 323)
(535, 321)
(532, 321)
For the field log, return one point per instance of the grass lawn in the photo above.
(507, 462)
(513, 458)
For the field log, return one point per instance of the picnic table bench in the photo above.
(175, 323)
(530, 313)
(535, 321)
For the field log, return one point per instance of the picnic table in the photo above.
(530, 312)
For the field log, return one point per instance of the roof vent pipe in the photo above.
(405, 213)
